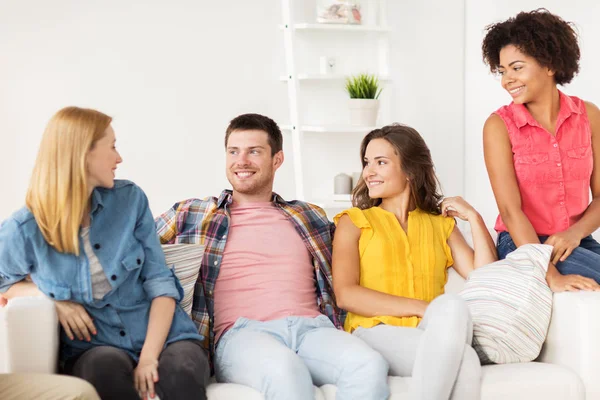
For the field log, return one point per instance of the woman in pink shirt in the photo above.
(542, 151)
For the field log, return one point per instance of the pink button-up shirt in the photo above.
(553, 172)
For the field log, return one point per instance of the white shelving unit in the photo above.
(331, 128)
(324, 77)
(295, 78)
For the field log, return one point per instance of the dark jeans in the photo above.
(584, 260)
(183, 372)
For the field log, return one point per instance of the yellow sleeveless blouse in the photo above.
(409, 264)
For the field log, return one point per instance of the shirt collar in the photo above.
(226, 198)
(97, 203)
(522, 116)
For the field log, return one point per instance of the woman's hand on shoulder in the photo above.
(457, 207)
(75, 320)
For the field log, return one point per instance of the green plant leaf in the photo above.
(363, 86)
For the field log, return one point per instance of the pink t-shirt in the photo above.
(553, 172)
(266, 272)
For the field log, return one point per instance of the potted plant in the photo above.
(364, 91)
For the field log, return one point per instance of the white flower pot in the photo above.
(363, 112)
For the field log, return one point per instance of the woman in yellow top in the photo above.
(390, 258)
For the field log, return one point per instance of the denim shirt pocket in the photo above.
(54, 290)
(130, 289)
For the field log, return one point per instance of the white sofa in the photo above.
(566, 369)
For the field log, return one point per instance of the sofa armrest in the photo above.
(28, 336)
(574, 337)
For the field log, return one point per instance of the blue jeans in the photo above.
(282, 358)
(584, 260)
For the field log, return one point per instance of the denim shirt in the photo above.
(124, 239)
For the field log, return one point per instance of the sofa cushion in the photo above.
(530, 381)
(185, 259)
(511, 305)
(526, 381)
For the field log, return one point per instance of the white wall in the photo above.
(172, 74)
(483, 93)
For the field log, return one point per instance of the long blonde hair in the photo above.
(58, 192)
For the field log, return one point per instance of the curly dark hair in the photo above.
(416, 162)
(539, 34)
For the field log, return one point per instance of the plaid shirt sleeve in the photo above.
(182, 223)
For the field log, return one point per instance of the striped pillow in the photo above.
(185, 259)
(511, 305)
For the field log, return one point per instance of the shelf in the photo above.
(325, 77)
(339, 27)
(333, 128)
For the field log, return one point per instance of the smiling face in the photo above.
(250, 165)
(102, 161)
(522, 76)
(382, 170)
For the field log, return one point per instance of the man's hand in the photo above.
(75, 320)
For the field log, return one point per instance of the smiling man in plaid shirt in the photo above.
(264, 296)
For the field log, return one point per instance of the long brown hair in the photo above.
(416, 162)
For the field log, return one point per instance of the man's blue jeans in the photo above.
(584, 260)
(282, 359)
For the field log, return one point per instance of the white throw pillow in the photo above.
(185, 259)
(511, 305)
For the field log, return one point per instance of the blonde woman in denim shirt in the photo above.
(88, 242)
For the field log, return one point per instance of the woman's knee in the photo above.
(451, 306)
(184, 361)
(103, 361)
(450, 313)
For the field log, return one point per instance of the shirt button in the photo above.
(555, 145)
(216, 263)
(108, 305)
(122, 333)
(562, 203)
(210, 292)
(114, 277)
(224, 237)
(560, 183)
(558, 164)
(138, 261)
(97, 246)
(52, 295)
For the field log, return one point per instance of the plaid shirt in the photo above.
(207, 221)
